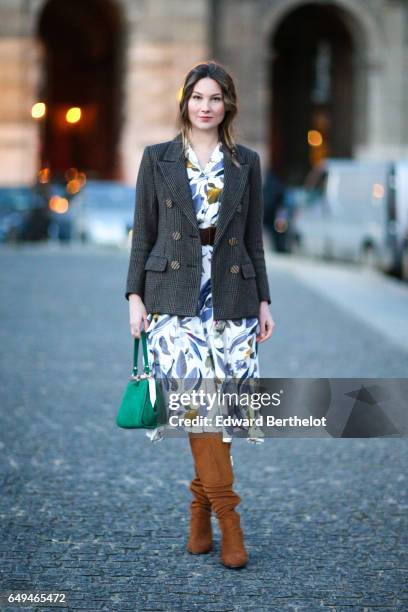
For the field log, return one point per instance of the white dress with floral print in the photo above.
(199, 350)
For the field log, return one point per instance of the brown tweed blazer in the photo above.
(165, 259)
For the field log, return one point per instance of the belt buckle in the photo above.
(206, 234)
(210, 231)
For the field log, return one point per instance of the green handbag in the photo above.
(137, 410)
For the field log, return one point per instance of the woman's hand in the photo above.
(266, 323)
(138, 315)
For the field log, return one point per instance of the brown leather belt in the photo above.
(207, 235)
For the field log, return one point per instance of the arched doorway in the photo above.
(312, 82)
(83, 51)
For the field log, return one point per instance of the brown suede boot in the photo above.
(201, 538)
(213, 463)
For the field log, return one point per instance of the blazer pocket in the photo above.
(156, 263)
(248, 270)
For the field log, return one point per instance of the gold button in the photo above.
(175, 264)
(169, 203)
(234, 269)
(176, 235)
(232, 241)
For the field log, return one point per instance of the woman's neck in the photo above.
(203, 139)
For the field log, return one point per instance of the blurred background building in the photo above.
(88, 83)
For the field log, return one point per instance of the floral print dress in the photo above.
(198, 352)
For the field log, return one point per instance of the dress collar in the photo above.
(215, 157)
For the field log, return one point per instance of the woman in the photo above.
(197, 283)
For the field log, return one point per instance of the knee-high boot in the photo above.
(200, 538)
(213, 463)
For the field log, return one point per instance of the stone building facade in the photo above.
(282, 53)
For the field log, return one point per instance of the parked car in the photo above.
(16, 204)
(354, 210)
(102, 213)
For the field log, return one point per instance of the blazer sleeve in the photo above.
(253, 230)
(145, 223)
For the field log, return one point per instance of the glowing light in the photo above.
(73, 186)
(81, 178)
(38, 110)
(378, 190)
(73, 114)
(44, 175)
(70, 174)
(314, 138)
(75, 179)
(58, 205)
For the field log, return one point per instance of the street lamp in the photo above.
(73, 114)
(38, 110)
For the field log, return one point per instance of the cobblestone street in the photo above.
(102, 513)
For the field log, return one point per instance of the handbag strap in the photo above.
(136, 354)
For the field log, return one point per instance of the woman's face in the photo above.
(206, 105)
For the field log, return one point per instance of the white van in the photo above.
(355, 210)
(401, 206)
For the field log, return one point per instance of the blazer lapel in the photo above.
(235, 180)
(174, 173)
